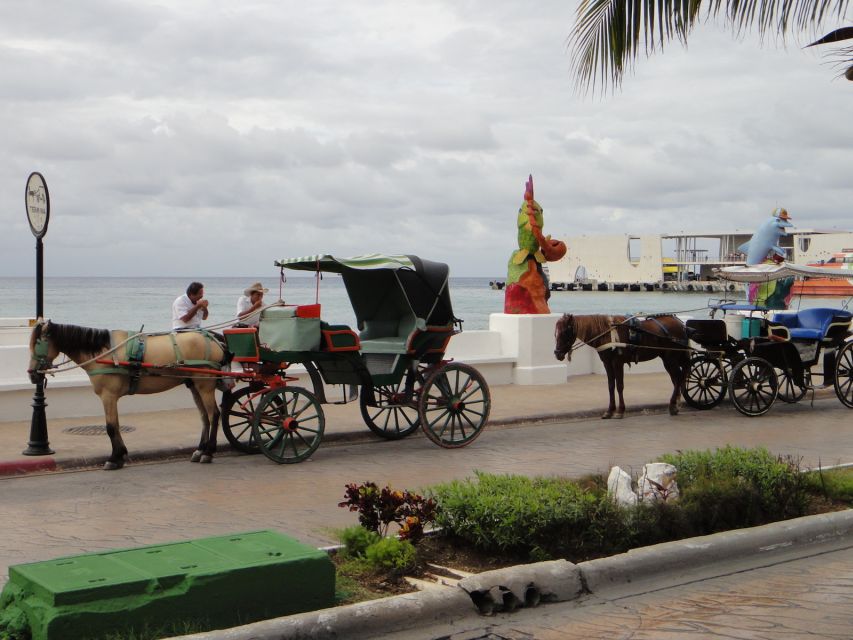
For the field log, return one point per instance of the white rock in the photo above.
(657, 483)
(619, 487)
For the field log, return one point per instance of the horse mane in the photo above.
(589, 327)
(74, 340)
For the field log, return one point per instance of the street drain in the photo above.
(95, 430)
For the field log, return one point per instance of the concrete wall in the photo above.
(516, 349)
(606, 259)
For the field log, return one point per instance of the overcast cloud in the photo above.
(205, 138)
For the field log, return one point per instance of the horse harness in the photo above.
(135, 357)
(635, 332)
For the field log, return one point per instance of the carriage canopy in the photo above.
(387, 286)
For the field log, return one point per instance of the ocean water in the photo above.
(134, 303)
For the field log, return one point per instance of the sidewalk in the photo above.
(163, 434)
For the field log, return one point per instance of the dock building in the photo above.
(678, 261)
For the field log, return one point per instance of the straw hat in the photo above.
(782, 214)
(257, 287)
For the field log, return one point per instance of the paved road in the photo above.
(805, 597)
(46, 516)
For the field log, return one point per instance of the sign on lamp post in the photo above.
(37, 201)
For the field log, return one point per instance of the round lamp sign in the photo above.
(38, 204)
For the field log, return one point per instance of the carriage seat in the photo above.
(387, 336)
(815, 324)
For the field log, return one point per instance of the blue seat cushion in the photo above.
(801, 333)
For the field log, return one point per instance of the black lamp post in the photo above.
(37, 201)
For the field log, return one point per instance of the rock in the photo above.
(619, 487)
(657, 483)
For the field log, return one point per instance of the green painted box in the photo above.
(203, 584)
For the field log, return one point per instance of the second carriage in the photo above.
(393, 362)
(778, 354)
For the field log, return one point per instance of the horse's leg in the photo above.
(207, 394)
(619, 374)
(201, 454)
(677, 370)
(611, 383)
(119, 451)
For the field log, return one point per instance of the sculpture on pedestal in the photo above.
(763, 248)
(527, 288)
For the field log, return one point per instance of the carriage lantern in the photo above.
(37, 201)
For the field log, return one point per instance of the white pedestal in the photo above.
(530, 338)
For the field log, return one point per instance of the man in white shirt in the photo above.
(190, 309)
(250, 303)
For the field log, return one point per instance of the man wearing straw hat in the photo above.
(249, 304)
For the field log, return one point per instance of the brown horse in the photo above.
(149, 372)
(620, 340)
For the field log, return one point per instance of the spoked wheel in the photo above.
(395, 416)
(844, 375)
(705, 386)
(238, 411)
(454, 405)
(288, 424)
(788, 390)
(753, 386)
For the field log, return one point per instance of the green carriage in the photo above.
(393, 362)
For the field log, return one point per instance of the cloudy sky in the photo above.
(205, 137)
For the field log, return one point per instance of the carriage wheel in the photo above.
(705, 386)
(394, 416)
(454, 405)
(238, 412)
(753, 386)
(288, 424)
(788, 390)
(844, 375)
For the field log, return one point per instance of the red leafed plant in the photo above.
(378, 508)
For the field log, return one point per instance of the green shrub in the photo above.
(833, 484)
(512, 513)
(759, 486)
(391, 554)
(355, 540)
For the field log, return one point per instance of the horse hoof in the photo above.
(109, 465)
(196, 456)
(618, 416)
(673, 411)
(606, 416)
(206, 459)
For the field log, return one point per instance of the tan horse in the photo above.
(110, 382)
(620, 341)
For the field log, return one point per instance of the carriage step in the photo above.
(119, 593)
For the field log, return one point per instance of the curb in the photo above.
(27, 465)
(50, 463)
(554, 581)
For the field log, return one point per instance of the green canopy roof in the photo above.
(387, 286)
(329, 263)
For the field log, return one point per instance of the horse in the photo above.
(149, 359)
(620, 340)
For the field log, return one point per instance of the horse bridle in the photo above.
(40, 355)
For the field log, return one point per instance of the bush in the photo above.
(833, 484)
(378, 508)
(356, 540)
(753, 483)
(516, 513)
(391, 554)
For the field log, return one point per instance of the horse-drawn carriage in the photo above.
(776, 357)
(396, 356)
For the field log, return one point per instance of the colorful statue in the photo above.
(766, 239)
(527, 288)
(763, 248)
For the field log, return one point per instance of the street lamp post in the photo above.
(37, 201)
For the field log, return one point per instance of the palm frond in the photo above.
(608, 34)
